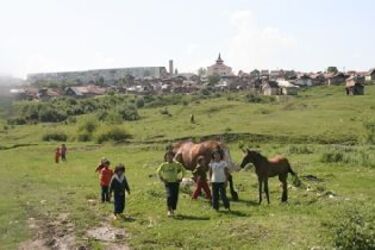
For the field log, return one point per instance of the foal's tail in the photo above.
(296, 181)
(290, 170)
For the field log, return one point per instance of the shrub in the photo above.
(165, 111)
(140, 103)
(259, 99)
(116, 134)
(329, 157)
(300, 149)
(370, 132)
(55, 136)
(355, 231)
(17, 121)
(85, 137)
(356, 157)
(51, 115)
(128, 113)
(88, 125)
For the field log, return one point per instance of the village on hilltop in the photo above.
(159, 80)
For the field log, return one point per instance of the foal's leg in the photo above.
(283, 179)
(266, 189)
(260, 189)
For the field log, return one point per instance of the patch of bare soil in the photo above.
(111, 238)
(57, 234)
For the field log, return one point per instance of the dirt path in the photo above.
(59, 234)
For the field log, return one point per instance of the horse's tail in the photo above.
(296, 180)
(290, 170)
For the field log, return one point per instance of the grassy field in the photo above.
(320, 131)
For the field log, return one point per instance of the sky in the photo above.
(67, 35)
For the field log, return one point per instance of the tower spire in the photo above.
(219, 60)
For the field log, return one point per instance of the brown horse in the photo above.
(265, 168)
(188, 152)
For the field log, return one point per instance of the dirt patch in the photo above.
(112, 238)
(57, 234)
(106, 233)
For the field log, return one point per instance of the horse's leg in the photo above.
(231, 187)
(266, 189)
(260, 189)
(283, 179)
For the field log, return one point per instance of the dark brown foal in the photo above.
(265, 168)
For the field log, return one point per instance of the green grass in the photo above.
(298, 128)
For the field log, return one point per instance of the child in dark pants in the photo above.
(63, 151)
(57, 155)
(200, 174)
(171, 173)
(105, 179)
(219, 176)
(119, 185)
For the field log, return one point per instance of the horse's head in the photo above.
(250, 156)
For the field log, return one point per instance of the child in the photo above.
(57, 155)
(171, 173)
(118, 186)
(63, 152)
(201, 179)
(105, 179)
(101, 165)
(219, 175)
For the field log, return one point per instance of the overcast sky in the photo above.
(62, 35)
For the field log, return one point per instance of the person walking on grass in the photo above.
(200, 174)
(218, 172)
(57, 155)
(105, 179)
(101, 165)
(171, 173)
(63, 152)
(118, 186)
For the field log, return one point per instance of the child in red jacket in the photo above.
(57, 155)
(105, 180)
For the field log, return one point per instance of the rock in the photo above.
(92, 201)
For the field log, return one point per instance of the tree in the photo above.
(202, 72)
(213, 79)
(332, 69)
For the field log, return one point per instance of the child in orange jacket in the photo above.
(57, 155)
(105, 180)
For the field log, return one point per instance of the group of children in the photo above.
(171, 173)
(113, 182)
(60, 153)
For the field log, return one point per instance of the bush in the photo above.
(259, 99)
(329, 157)
(129, 113)
(17, 121)
(51, 115)
(85, 137)
(355, 231)
(140, 103)
(165, 111)
(55, 136)
(300, 149)
(88, 125)
(115, 134)
(370, 132)
(355, 157)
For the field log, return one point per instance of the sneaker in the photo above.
(170, 214)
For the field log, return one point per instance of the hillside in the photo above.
(321, 131)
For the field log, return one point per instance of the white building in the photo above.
(219, 68)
